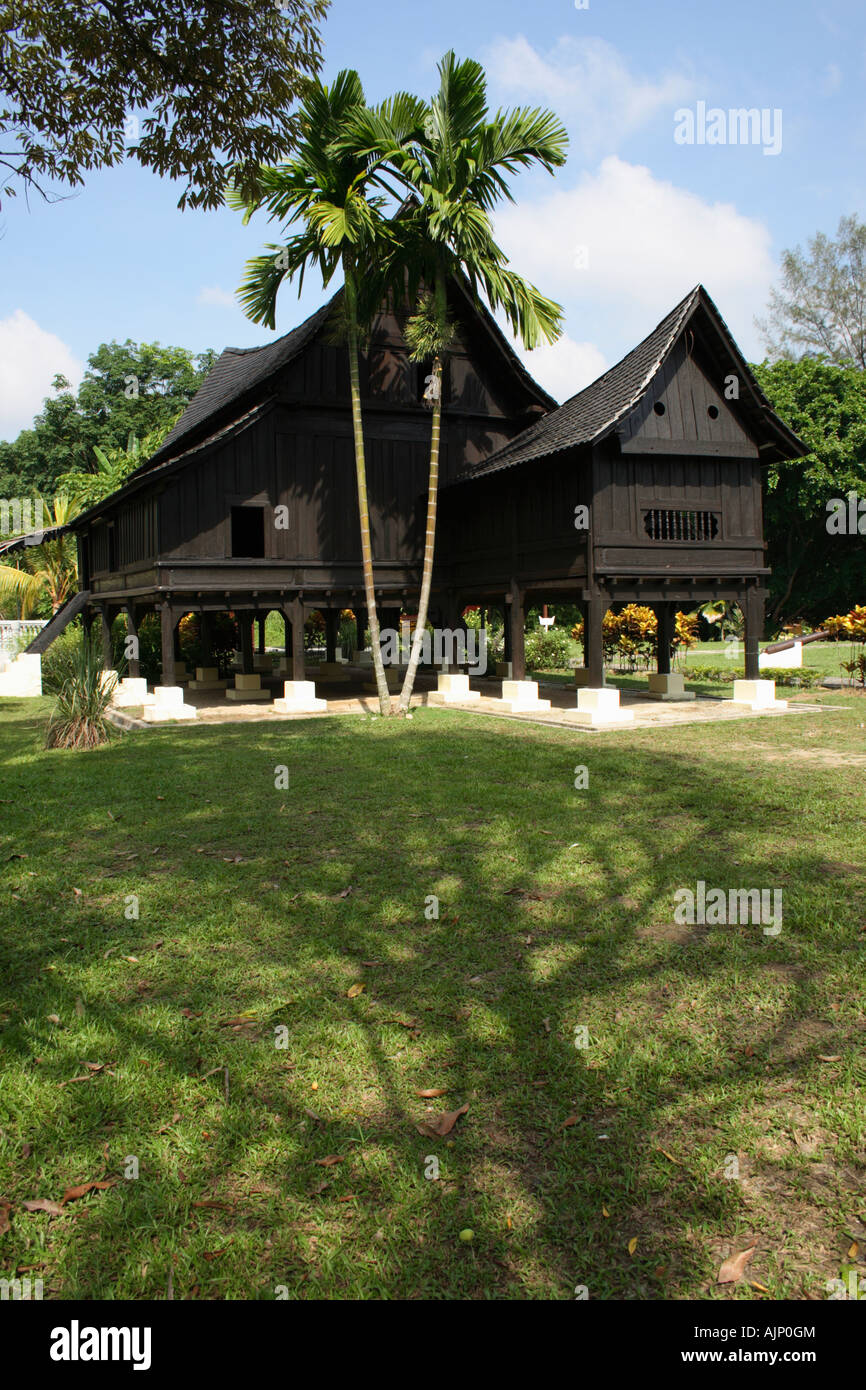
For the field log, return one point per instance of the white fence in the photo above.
(15, 635)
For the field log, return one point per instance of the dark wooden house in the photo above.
(645, 486)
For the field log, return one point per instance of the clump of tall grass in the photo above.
(79, 717)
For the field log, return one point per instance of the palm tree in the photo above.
(455, 167)
(47, 570)
(335, 198)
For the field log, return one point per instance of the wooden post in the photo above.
(753, 613)
(517, 622)
(205, 639)
(245, 623)
(506, 629)
(593, 647)
(296, 609)
(664, 637)
(105, 625)
(332, 623)
(133, 663)
(261, 619)
(166, 618)
(287, 634)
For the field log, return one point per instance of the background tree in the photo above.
(815, 572)
(821, 306)
(41, 578)
(128, 388)
(187, 89)
(113, 467)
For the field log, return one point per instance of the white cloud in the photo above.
(589, 86)
(564, 368)
(213, 294)
(647, 243)
(30, 358)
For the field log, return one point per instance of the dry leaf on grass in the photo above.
(632, 1245)
(853, 1251)
(433, 1092)
(566, 1124)
(834, 1058)
(330, 1160)
(5, 1223)
(82, 1189)
(733, 1268)
(354, 991)
(442, 1124)
(43, 1204)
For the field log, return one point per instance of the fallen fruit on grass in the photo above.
(467, 1236)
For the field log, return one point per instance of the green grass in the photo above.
(555, 913)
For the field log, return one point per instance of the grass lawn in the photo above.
(711, 1051)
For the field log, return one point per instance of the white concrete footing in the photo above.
(23, 676)
(168, 704)
(788, 660)
(131, 692)
(521, 697)
(599, 706)
(207, 678)
(452, 689)
(394, 677)
(669, 687)
(757, 695)
(247, 688)
(299, 697)
(333, 671)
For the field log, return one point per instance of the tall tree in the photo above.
(456, 167)
(188, 88)
(128, 388)
(330, 195)
(113, 467)
(820, 308)
(816, 572)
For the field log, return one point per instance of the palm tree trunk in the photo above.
(429, 549)
(363, 506)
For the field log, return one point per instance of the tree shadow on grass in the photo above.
(555, 914)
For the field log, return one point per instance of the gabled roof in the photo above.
(235, 372)
(599, 408)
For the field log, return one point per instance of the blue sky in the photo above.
(618, 236)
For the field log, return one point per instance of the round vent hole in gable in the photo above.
(659, 407)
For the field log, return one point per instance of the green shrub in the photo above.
(804, 677)
(547, 651)
(58, 662)
(79, 717)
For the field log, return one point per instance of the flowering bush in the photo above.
(848, 627)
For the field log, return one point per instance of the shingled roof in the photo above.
(600, 407)
(236, 372)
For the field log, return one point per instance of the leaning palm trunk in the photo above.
(363, 506)
(429, 545)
